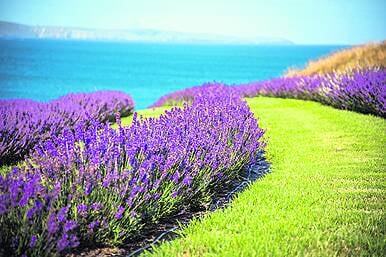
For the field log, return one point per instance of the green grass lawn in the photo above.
(326, 195)
(147, 113)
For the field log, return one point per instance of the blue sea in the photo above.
(46, 69)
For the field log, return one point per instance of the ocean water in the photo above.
(46, 69)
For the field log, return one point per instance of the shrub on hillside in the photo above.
(25, 123)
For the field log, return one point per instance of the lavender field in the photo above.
(360, 90)
(91, 184)
(26, 123)
(78, 182)
(166, 128)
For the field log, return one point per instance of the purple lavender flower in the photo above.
(97, 206)
(36, 208)
(3, 208)
(187, 180)
(29, 190)
(33, 241)
(88, 189)
(38, 205)
(119, 213)
(157, 196)
(62, 214)
(174, 194)
(82, 209)
(63, 243)
(74, 241)
(94, 224)
(56, 190)
(52, 225)
(176, 177)
(69, 225)
(30, 212)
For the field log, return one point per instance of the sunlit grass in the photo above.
(325, 196)
(364, 56)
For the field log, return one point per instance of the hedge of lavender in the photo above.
(360, 90)
(97, 185)
(24, 123)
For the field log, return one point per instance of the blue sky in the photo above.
(302, 21)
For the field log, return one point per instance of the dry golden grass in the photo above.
(364, 56)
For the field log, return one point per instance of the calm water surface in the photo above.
(45, 69)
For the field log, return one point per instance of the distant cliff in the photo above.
(14, 30)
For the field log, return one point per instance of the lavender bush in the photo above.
(187, 95)
(359, 90)
(97, 185)
(24, 123)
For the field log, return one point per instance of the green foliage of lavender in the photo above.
(25, 123)
(98, 185)
(362, 91)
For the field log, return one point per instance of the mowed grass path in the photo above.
(326, 195)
